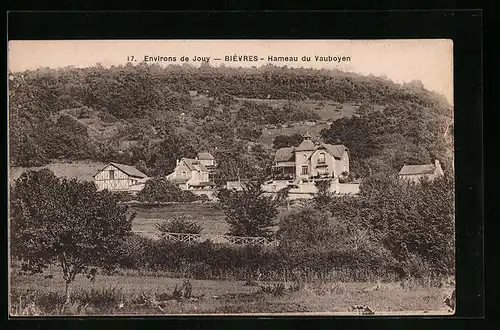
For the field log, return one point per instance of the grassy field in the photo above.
(208, 216)
(144, 295)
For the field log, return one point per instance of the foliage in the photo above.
(282, 141)
(179, 225)
(151, 103)
(414, 221)
(67, 222)
(323, 197)
(161, 190)
(249, 212)
(383, 141)
(277, 289)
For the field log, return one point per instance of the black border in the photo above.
(463, 26)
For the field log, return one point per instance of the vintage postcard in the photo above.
(229, 177)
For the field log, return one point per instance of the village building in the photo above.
(120, 177)
(311, 160)
(416, 172)
(194, 173)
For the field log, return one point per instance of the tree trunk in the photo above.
(67, 293)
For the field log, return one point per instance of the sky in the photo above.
(427, 60)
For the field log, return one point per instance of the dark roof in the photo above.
(127, 169)
(306, 145)
(194, 165)
(284, 155)
(417, 169)
(205, 156)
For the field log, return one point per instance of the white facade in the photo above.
(190, 173)
(310, 160)
(119, 177)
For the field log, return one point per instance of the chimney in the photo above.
(177, 162)
(437, 163)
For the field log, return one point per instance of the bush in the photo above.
(249, 212)
(179, 225)
(162, 190)
(123, 196)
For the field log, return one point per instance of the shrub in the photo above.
(102, 298)
(179, 225)
(123, 196)
(161, 190)
(249, 212)
(277, 289)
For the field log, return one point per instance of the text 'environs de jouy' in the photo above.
(244, 58)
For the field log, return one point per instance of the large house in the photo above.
(311, 160)
(194, 173)
(416, 172)
(120, 177)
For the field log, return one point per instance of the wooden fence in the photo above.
(224, 239)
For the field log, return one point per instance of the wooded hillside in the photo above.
(144, 116)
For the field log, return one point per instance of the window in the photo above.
(305, 170)
(111, 174)
(321, 158)
(183, 173)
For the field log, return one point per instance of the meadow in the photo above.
(208, 216)
(135, 293)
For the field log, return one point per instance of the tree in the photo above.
(309, 229)
(282, 141)
(411, 220)
(249, 212)
(323, 197)
(64, 221)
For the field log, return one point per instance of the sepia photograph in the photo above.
(231, 177)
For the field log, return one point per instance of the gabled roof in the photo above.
(337, 150)
(194, 165)
(285, 155)
(205, 156)
(417, 169)
(306, 145)
(127, 169)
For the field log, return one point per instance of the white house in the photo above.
(194, 173)
(311, 160)
(120, 177)
(416, 172)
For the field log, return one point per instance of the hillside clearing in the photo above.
(81, 170)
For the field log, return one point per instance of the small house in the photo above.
(192, 174)
(120, 177)
(416, 172)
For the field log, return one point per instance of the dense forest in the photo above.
(145, 116)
